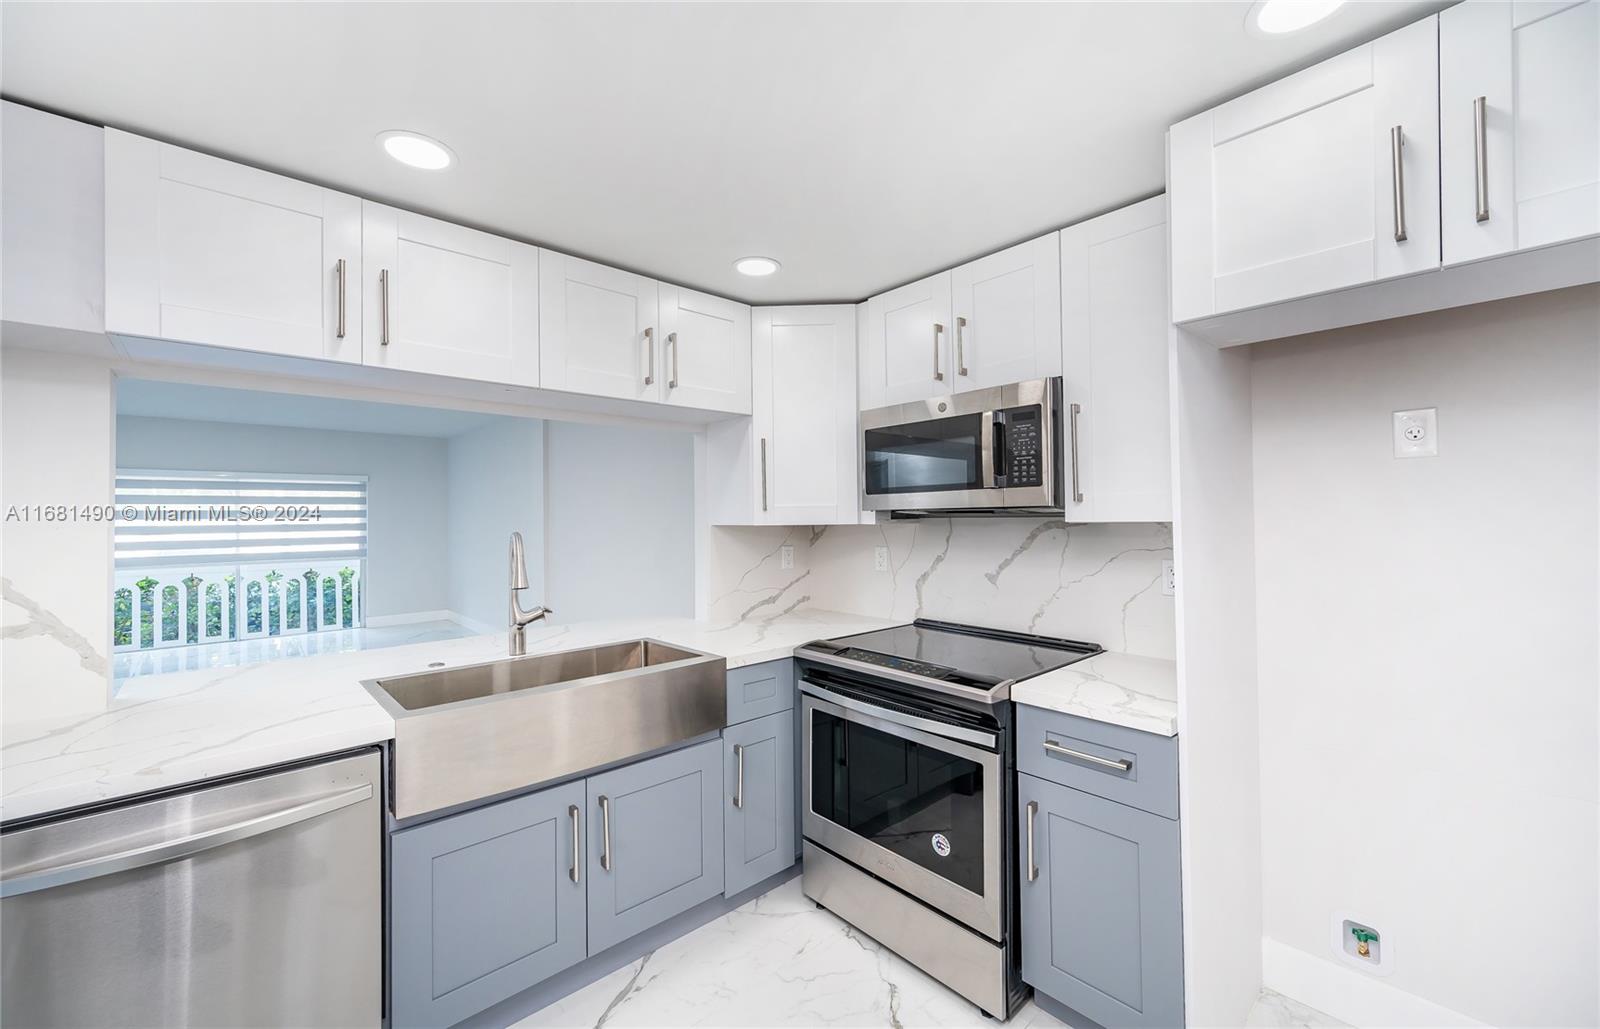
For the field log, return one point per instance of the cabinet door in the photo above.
(485, 904)
(805, 415)
(1006, 324)
(202, 250)
(1536, 69)
(1290, 191)
(705, 347)
(758, 766)
(655, 841)
(1102, 928)
(1114, 345)
(597, 330)
(908, 356)
(448, 300)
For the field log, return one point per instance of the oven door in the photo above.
(897, 796)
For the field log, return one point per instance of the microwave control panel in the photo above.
(1021, 429)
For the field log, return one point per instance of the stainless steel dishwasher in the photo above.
(252, 902)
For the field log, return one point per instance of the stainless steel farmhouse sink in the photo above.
(465, 733)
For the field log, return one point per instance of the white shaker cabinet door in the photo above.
(448, 300)
(804, 416)
(1006, 316)
(705, 350)
(1321, 181)
(1115, 380)
(598, 332)
(907, 353)
(1519, 103)
(202, 250)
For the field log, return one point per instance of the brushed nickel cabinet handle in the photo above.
(339, 274)
(577, 832)
(1480, 153)
(938, 330)
(1033, 869)
(763, 473)
(383, 307)
(1397, 179)
(961, 358)
(605, 832)
(650, 349)
(672, 341)
(1119, 764)
(1077, 489)
(738, 788)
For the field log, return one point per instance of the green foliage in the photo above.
(122, 617)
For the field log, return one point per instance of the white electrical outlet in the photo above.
(880, 559)
(1416, 433)
(786, 555)
(1169, 579)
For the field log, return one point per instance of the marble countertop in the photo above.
(1122, 689)
(162, 731)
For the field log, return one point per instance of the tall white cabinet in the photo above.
(448, 300)
(202, 250)
(1519, 102)
(1321, 181)
(793, 462)
(1114, 344)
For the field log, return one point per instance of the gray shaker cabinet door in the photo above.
(485, 905)
(759, 799)
(655, 841)
(1102, 928)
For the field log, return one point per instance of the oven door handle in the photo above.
(927, 725)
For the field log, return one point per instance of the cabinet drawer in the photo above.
(1074, 752)
(758, 690)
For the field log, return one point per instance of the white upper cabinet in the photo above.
(793, 462)
(206, 251)
(1321, 181)
(907, 353)
(1006, 316)
(705, 350)
(1519, 99)
(598, 332)
(1115, 379)
(448, 300)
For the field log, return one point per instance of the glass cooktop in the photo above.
(961, 654)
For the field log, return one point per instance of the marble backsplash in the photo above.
(1100, 583)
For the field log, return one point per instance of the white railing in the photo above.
(177, 607)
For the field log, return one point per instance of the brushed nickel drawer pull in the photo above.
(961, 356)
(605, 832)
(1119, 764)
(577, 831)
(938, 330)
(650, 349)
(339, 273)
(1397, 179)
(383, 307)
(1033, 869)
(738, 789)
(1480, 153)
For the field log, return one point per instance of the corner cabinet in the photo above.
(1519, 103)
(1114, 342)
(201, 250)
(448, 300)
(1321, 181)
(793, 462)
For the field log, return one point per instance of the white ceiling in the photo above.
(147, 398)
(861, 145)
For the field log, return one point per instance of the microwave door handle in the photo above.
(999, 447)
(986, 427)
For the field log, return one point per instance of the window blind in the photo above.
(169, 519)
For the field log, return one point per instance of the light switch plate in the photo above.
(786, 555)
(1169, 579)
(1416, 432)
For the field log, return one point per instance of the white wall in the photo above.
(619, 522)
(407, 561)
(1428, 665)
(496, 487)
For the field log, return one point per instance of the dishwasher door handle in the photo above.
(183, 846)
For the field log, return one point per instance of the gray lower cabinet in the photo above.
(484, 905)
(655, 841)
(1101, 905)
(759, 791)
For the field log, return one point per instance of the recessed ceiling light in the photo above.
(1275, 17)
(415, 149)
(756, 266)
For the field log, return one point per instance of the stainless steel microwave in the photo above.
(992, 451)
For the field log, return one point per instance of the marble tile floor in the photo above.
(779, 961)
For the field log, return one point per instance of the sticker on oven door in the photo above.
(941, 844)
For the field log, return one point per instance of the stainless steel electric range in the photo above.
(908, 776)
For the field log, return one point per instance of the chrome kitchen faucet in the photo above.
(519, 619)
